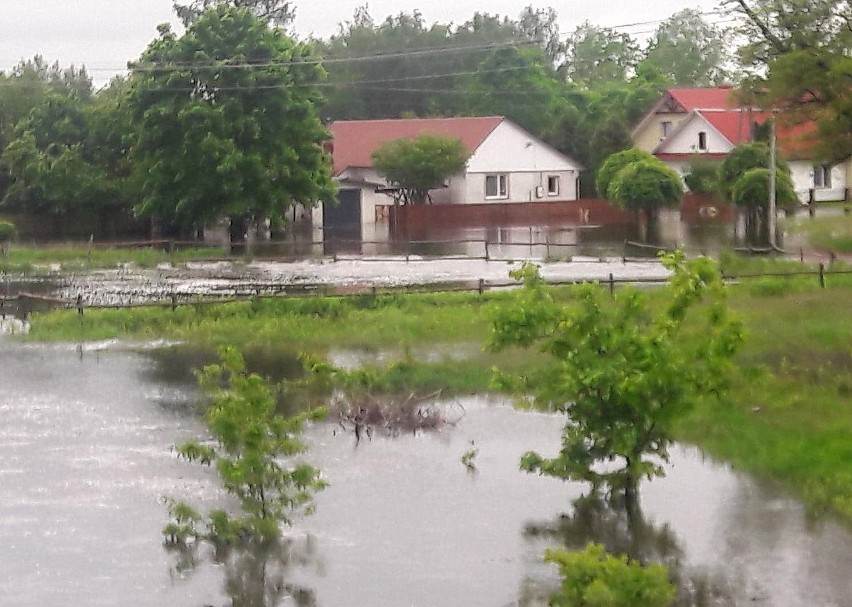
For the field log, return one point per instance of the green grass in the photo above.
(788, 416)
(827, 233)
(38, 259)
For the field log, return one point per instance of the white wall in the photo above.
(522, 187)
(685, 141)
(802, 172)
(510, 149)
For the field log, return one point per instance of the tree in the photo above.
(597, 55)
(622, 373)
(253, 454)
(278, 13)
(751, 190)
(774, 28)
(593, 578)
(802, 47)
(61, 164)
(744, 159)
(227, 123)
(416, 166)
(690, 51)
(703, 176)
(647, 186)
(7, 232)
(25, 87)
(614, 163)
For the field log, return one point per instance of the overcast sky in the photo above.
(106, 34)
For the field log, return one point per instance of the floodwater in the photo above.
(85, 457)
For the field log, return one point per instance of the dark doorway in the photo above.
(341, 223)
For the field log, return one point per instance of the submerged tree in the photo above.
(622, 373)
(254, 454)
(744, 180)
(593, 578)
(417, 166)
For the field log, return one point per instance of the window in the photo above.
(665, 128)
(702, 140)
(496, 186)
(553, 185)
(822, 176)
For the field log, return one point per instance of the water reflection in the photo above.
(626, 530)
(255, 574)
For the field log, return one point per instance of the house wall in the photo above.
(651, 133)
(802, 173)
(685, 141)
(522, 187)
(526, 161)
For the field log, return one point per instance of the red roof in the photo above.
(716, 98)
(354, 141)
(797, 141)
(735, 125)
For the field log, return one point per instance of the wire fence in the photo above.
(24, 302)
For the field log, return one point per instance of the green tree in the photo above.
(25, 88)
(416, 166)
(520, 84)
(622, 373)
(799, 50)
(593, 578)
(703, 176)
(278, 13)
(227, 123)
(614, 163)
(61, 163)
(647, 186)
(7, 232)
(751, 190)
(598, 55)
(254, 454)
(690, 51)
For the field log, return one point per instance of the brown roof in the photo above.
(354, 141)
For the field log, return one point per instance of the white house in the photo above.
(685, 123)
(506, 164)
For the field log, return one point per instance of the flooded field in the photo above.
(85, 458)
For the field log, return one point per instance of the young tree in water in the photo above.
(593, 578)
(417, 166)
(254, 454)
(623, 373)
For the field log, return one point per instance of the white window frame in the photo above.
(822, 177)
(665, 129)
(553, 180)
(702, 141)
(502, 183)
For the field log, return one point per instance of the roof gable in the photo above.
(354, 141)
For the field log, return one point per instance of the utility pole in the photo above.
(772, 181)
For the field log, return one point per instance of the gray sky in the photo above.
(106, 34)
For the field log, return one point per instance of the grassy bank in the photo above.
(39, 259)
(788, 416)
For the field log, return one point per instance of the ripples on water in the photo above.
(85, 438)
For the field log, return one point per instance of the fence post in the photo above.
(801, 255)
(174, 302)
(481, 285)
(822, 275)
(486, 249)
(611, 284)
